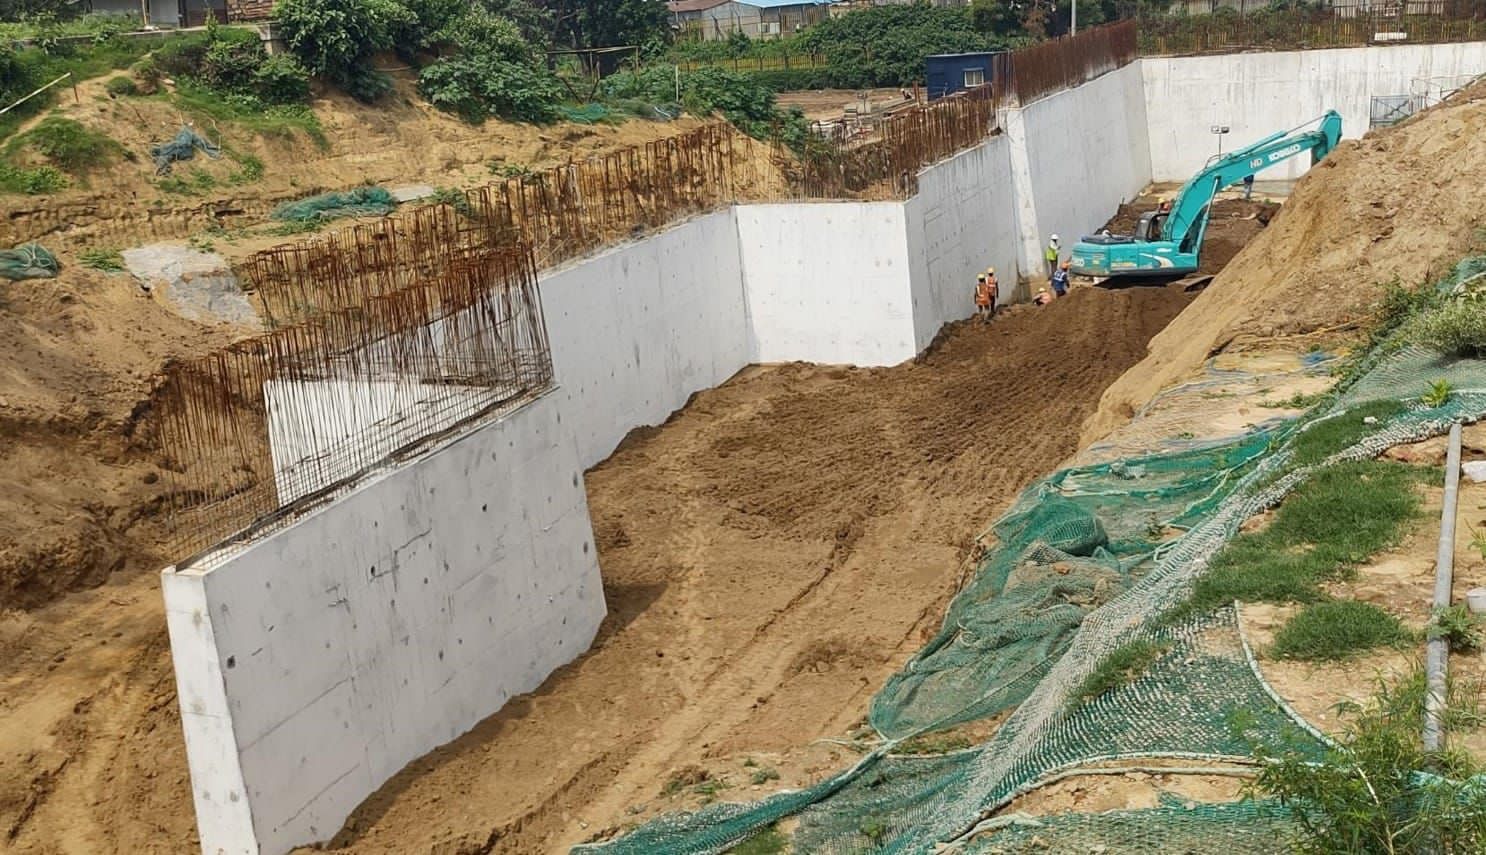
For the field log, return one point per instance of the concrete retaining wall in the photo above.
(962, 221)
(827, 282)
(1257, 94)
(638, 329)
(1077, 155)
(318, 661)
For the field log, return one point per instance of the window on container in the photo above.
(974, 77)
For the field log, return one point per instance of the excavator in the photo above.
(1168, 241)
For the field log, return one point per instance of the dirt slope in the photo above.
(770, 555)
(1403, 202)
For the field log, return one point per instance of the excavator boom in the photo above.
(1169, 244)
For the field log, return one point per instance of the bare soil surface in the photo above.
(1402, 203)
(830, 104)
(770, 555)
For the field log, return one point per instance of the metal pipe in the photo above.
(1438, 653)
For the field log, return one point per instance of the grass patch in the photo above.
(1120, 668)
(68, 145)
(1338, 629)
(250, 169)
(1298, 401)
(31, 68)
(766, 842)
(194, 182)
(763, 776)
(30, 182)
(107, 259)
(1325, 438)
(281, 120)
(1458, 626)
(1340, 517)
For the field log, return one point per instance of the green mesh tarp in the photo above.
(183, 147)
(361, 202)
(28, 261)
(1086, 561)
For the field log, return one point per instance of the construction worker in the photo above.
(1248, 187)
(994, 285)
(1050, 255)
(1042, 298)
(1060, 280)
(982, 299)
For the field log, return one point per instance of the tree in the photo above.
(495, 72)
(608, 23)
(336, 38)
(997, 17)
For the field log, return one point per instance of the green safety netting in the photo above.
(361, 202)
(585, 114)
(183, 147)
(1085, 562)
(28, 261)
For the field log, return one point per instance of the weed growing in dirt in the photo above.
(195, 182)
(1374, 792)
(1119, 668)
(1338, 629)
(121, 86)
(763, 776)
(250, 169)
(766, 842)
(1339, 518)
(1437, 395)
(1457, 625)
(1325, 438)
(68, 145)
(31, 182)
(107, 259)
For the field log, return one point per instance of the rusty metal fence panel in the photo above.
(1229, 29)
(1042, 69)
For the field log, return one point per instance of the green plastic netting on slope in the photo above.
(361, 202)
(28, 261)
(1085, 562)
(183, 146)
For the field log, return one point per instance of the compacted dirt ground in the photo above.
(770, 555)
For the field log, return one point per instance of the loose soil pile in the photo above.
(1403, 203)
(770, 555)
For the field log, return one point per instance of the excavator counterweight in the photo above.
(1167, 242)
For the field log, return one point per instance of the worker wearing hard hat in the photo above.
(1060, 280)
(994, 286)
(1050, 255)
(984, 302)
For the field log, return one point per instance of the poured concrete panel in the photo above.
(1257, 94)
(827, 282)
(318, 661)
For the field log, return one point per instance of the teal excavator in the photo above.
(1168, 241)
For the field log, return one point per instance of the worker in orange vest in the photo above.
(985, 300)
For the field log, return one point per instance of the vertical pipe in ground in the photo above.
(1444, 569)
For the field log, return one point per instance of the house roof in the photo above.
(693, 5)
(775, 4)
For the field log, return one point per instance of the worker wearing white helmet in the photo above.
(1050, 255)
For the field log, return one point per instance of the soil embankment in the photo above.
(1402, 204)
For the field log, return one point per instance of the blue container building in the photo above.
(948, 73)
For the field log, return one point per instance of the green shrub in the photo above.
(740, 98)
(183, 56)
(230, 63)
(147, 76)
(336, 38)
(1367, 794)
(1119, 668)
(886, 45)
(1458, 327)
(1437, 395)
(120, 86)
(1337, 629)
(282, 79)
(495, 73)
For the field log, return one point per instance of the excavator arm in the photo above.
(1168, 243)
(1193, 201)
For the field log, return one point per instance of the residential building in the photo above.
(717, 19)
